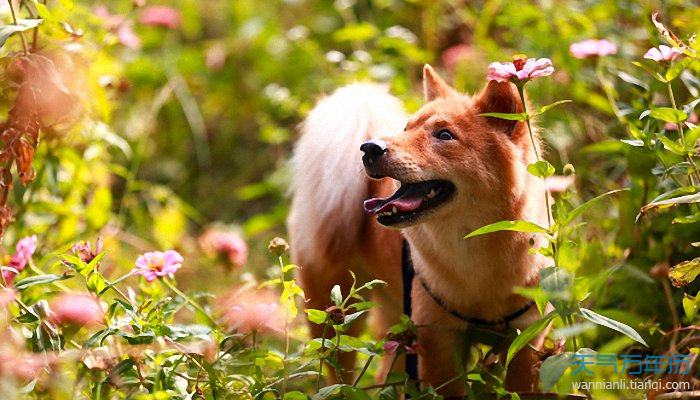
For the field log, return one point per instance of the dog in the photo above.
(430, 178)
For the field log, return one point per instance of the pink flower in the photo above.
(121, 26)
(6, 297)
(662, 53)
(225, 242)
(520, 70)
(157, 263)
(258, 312)
(452, 56)
(670, 126)
(85, 252)
(592, 47)
(76, 309)
(216, 56)
(25, 248)
(164, 16)
(392, 346)
(23, 366)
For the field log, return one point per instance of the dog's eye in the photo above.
(444, 135)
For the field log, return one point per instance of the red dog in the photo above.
(436, 176)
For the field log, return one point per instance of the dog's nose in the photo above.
(373, 149)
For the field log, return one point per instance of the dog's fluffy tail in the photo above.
(328, 180)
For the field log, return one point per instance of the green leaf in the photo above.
(612, 324)
(672, 146)
(668, 114)
(528, 334)
(677, 68)
(585, 206)
(40, 280)
(517, 226)
(659, 205)
(508, 116)
(690, 306)
(550, 106)
(685, 272)
(553, 368)
(355, 32)
(541, 169)
(336, 295)
(22, 25)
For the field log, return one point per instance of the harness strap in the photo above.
(408, 273)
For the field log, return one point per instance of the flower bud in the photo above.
(569, 169)
(335, 315)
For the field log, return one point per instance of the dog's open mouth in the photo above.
(410, 201)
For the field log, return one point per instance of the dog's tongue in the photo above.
(403, 203)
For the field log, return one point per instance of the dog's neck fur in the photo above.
(483, 269)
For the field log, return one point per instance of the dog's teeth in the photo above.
(394, 210)
(431, 194)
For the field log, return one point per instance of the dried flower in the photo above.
(164, 16)
(592, 47)
(663, 53)
(520, 70)
(155, 264)
(225, 242)
(76, 309)
(278, 246)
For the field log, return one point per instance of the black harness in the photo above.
(409, 273)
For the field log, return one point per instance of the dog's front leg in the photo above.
(521, 374)
(443, 349)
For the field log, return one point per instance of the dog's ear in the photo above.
(499, 97)
(433, 86)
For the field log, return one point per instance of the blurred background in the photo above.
(187, 113)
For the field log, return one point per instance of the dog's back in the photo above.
(328, 229)
(328, 180)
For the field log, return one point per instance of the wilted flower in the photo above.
(592, 47)
(225, 242)
(662, 53)
(85, 252)
(76, 309)
(165, 16)
(157, 263)
(258, 312)
(335, 315)
(521, 69)
(25, 248)
(278, 246)
(403, 341)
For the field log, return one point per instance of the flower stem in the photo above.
(521, 91)
(364, 369)
(286, 332)
(694, 175)
(188, 299)
(21, 35)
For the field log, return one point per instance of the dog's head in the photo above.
(449, 155)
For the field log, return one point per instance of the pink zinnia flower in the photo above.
(520, 70)
(25, 248)
(662, 53)
(157, 263)
(76, 309)
(258, 312)
(592, 47)
(165, 16)
(85, 252)
(225, 242)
